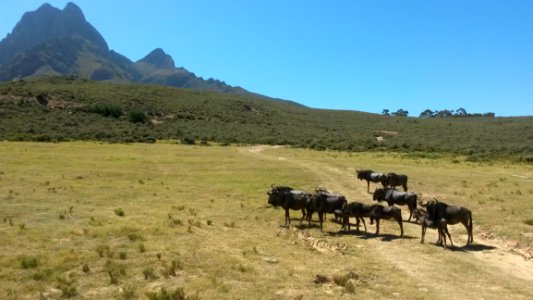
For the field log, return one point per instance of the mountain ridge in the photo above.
(52, 42)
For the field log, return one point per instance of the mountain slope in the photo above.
(54, 42)
(59, 109)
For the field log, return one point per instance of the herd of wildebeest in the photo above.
(433, 214)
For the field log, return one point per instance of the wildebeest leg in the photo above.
(287, 217)
(304, 214)
(423, 234)
(346, 222)
(404, 187)
(443, 231)
(401, 225)
(308, 216)
(377, 226)
(469, 229)
(448, 233)
(321, 218)
(364, 224)
(368, 186)
(357, 224)
(441, 234)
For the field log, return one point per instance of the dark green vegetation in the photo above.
(63, 109)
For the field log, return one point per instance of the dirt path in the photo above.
(488, 269)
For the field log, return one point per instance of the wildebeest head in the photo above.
(275, 195)
(363, 174)
(379, 194)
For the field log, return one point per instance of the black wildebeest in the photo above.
(392, 212)
(359, 211)
(452, 214)
(326, 202)
(422, 218)
(393, 196)
(289, 198)
(370, 175)
(393, 180)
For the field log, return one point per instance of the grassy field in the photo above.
(101, 221)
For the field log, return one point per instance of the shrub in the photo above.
(119, 212)
(188, 141)
(137, 116)
(106, 110)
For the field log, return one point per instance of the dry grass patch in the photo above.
(195, 218)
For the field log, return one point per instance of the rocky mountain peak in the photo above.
(45, 24)
(159, 59)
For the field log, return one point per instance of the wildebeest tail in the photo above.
(470, 226)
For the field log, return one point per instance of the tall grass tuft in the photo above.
(114, 270)
(149, 273)
(163, 294)
(28, 262)
(128, 293)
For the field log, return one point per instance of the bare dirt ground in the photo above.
(484, 270)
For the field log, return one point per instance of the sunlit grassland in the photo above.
(101, 221)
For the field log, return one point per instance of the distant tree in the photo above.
(428, 113)
(385, 112)
(401, 113)
(489, 114)
(461, 112)
(443, 113)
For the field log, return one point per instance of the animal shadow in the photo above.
(468, 248)
(383, 237)
(477, 247)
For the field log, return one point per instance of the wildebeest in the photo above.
(393, 196)
(370, 175)
(422, 217)
(438, 210)
(393, 180)
(288, 198)
(359, 211)
(326, 202)
(392, 212)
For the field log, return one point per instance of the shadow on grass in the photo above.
(370, 235)
(477, 247)
(466, 248)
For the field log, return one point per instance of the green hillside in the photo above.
(63, 109)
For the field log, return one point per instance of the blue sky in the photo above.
(343, 54)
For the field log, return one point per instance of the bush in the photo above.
(137, 116)
(188, 141)
(106, 110)
(119, 212)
